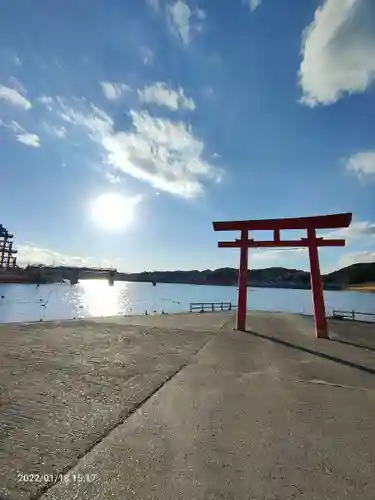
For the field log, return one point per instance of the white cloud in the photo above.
(350, 258)
(356, 230)
(29, 140)
(17, 61)
(159, 93)
(55, 131)
(113, 91)
(360, 234)
(362, 164)
(264, 255)
(253, 4)
(201, 15)
(338, 51)
(21, 134)
(147, 56)
(154, 4)
(30, 254)
(276, 257)
(158, 151)
(113, 179)
(183, 21)
(14, 97)
(276, 253)
(58, 131)
(47, 101)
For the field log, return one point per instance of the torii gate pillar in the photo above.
(242, 283)
(317, 287)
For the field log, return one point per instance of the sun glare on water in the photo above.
(113, 211)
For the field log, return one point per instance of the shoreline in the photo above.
(365, 288)
(157, 315)
(250, 285)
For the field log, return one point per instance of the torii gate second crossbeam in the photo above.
(310, 224)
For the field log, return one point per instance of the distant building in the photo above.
(7, 252)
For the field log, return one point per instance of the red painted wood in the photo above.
(320, 319)
(333, 221)
(242, 284)
(272, 244)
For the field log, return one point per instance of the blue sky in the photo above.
(128, 127)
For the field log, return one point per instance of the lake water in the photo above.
(94, 298)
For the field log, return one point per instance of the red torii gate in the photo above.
(311, 224)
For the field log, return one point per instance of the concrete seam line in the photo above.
(39, 494)
(225, 324)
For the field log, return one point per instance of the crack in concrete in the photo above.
(331, 384)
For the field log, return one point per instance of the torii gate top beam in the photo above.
(334, 221)
(303, 243)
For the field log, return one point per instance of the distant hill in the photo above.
(271, 277)
(356, 274)
(275, 277)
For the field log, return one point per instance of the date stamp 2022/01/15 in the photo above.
(69, 478)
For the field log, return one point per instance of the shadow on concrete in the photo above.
(323, 355)
(353, 344)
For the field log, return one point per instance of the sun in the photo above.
(113, 211)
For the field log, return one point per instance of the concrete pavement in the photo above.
(189, 410)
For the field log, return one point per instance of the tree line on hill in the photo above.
(276, 277)
(273, 277)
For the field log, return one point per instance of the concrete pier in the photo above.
(182, 406)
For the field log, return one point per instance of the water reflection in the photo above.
(97, 298)
(92, 298)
